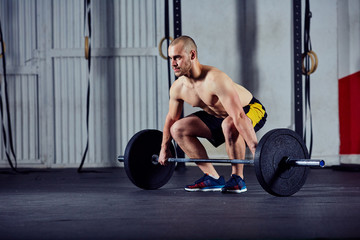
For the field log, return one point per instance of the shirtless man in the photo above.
(230, 114)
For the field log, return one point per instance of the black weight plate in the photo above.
(273, 175)
(138, 160)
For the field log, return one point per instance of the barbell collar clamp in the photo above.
(305, 162)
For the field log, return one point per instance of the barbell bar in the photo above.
(281, 161)
(155, 159)
(288, 161)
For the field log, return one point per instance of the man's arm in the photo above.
(174, 114)
(175, 109)
(223, 88)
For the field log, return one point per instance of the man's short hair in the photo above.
(189, 43)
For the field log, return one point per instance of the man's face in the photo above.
(180, 60)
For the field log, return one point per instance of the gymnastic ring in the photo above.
(86, 47)
(160, 47)
(312, 63)
(3, 43)
(316, 60)
(303, 65)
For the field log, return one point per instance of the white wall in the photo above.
(348, 37)
(324, 82)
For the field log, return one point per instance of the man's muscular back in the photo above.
(200, 92)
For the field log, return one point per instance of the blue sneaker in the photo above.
(235, 185)
(207, 184)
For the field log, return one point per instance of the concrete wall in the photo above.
(348, 37)
(252, 42)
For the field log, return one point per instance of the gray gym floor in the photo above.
(104, 204)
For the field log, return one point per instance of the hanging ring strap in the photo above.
(309, 65)
(309, 56)
(87, 30)
(160, 46)
(6, 132)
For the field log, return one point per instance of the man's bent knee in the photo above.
(177, 130)
(229, 129)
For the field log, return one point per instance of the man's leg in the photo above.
(185, 132)
(235, 145)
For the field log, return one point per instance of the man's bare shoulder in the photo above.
(210, 70)
(213, 75)
(218, 80)
(176, 88)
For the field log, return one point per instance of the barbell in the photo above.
(281, 161)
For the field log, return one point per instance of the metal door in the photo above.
(48, 78)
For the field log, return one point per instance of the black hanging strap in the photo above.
(298, 93)
(167, 37)
(307, 53)
(87, 31)
(177, 18)
(9, 129)
(177, 28)
(177, 33)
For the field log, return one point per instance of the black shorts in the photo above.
(255, 111)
